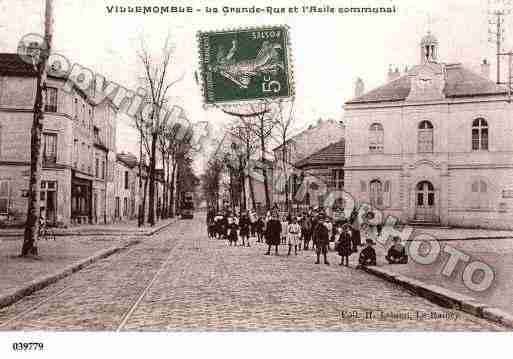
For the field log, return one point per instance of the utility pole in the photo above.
(508, 83)
(140, 214)
(33, 209)
(497, 10)
(497, 37)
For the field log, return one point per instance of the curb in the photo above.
(18, 293)
(445, 297)
(62, 233)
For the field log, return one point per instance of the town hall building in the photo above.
(433, 145)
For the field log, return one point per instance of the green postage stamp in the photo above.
(245, 64)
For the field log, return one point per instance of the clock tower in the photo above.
(427, 79)
(428, 49)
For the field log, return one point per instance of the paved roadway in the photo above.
(180, 280)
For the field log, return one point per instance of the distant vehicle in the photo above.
(187, 205)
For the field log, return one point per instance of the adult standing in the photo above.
(273, 233)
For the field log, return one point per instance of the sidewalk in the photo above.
(121, 228)
(53, 257)
(494, 248)
(448, 234)
(73, 249)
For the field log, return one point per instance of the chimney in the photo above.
(359, 87)
(485, 69)
(393, 75)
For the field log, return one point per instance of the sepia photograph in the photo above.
(268, 178)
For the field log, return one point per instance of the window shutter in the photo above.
(388, 194)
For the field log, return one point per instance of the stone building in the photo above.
(433, 145)
(78, 146)
(298, 147)
(323, 172)
(126, 179)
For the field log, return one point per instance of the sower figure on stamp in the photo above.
(273, 233)
(321, 239)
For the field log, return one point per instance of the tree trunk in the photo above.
(33, 208)
(166, 197)
(264, 169)
(172, 201)
(140, 217)
(143, 214)
(250, 177)
(163, 211)
(284, 155)
(178, 187)
(151, 202)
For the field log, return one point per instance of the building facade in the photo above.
(319, 174)
(433, 145)
(78, 143)
(313, 139)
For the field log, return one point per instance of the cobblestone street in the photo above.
(181, 280)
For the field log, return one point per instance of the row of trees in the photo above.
(243, 154)
(162, 137)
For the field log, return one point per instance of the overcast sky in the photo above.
(329, 51)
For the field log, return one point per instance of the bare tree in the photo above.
(211, 181)
(33, 209)
(180, 148)
(247, 142)
(150, 122)
(284, 120)
(263, 126)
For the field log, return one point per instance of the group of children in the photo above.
(296, 233)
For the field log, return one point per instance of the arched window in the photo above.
(376, 193)
(479, 135)
(425, 137)
(376, 138)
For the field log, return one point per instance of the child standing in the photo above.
(293, 233)
(344, 245)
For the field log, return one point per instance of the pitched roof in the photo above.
(13, 65)
(127, 159)
(333, 154)
(311, 128)
(459, 82)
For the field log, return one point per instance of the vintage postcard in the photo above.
(258, 167)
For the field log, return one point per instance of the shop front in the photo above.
(81, 199)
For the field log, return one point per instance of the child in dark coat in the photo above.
(232, 232)
(367, 255)
(397, 253)
(344, 245)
